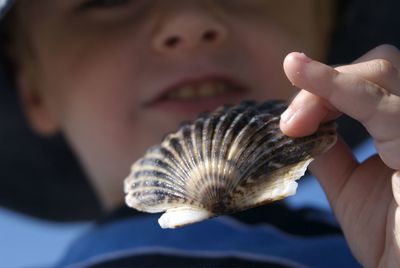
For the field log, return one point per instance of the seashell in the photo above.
(232, 159)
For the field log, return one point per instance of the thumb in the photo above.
(333, 169)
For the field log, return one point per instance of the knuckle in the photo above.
(376, 92)
(388, 49)
(385, 67)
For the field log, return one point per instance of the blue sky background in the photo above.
(29, 242)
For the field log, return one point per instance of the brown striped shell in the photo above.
(227, 161)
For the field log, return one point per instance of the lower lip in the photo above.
(194, 107)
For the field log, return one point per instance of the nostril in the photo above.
(171, 41)
(209, 35)
(188, 35)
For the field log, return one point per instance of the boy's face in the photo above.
(115, 76)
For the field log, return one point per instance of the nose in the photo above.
(189, 30)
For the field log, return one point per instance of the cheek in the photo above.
(267, 40)
(103, 132)
(109, 139)
(96, 95)
(96, 108)
(95, 80)
(109, 129)
(265, 51)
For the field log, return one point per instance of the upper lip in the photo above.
(234, 83)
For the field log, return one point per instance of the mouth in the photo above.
(201, 90)
(198, 95)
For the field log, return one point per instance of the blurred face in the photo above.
(114, 76)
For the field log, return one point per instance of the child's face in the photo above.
(115, 78)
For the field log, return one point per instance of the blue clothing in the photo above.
(138, 240)
(217, 238)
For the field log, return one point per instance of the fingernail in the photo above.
(287, 116)
(303, 57)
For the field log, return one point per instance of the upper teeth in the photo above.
(202, 90)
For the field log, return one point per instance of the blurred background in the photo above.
(29, 242)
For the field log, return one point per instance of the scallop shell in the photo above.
(230, 160)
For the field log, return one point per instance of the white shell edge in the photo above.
(292, 186)
(177, 217)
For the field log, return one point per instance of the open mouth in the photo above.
(201, 90)
(198, 95)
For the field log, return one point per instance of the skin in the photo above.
(90, 72)
(365, 197)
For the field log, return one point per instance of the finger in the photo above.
(395, 225)
(396, 186)
(389, 152)
(365, 101)
(386, 52)
(379, 71)
(383, 65)
(305, 113)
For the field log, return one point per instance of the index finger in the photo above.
(359, 98)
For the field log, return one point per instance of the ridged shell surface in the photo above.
(226, 161)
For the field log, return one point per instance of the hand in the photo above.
(365, 197)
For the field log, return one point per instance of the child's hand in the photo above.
(365, 197)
